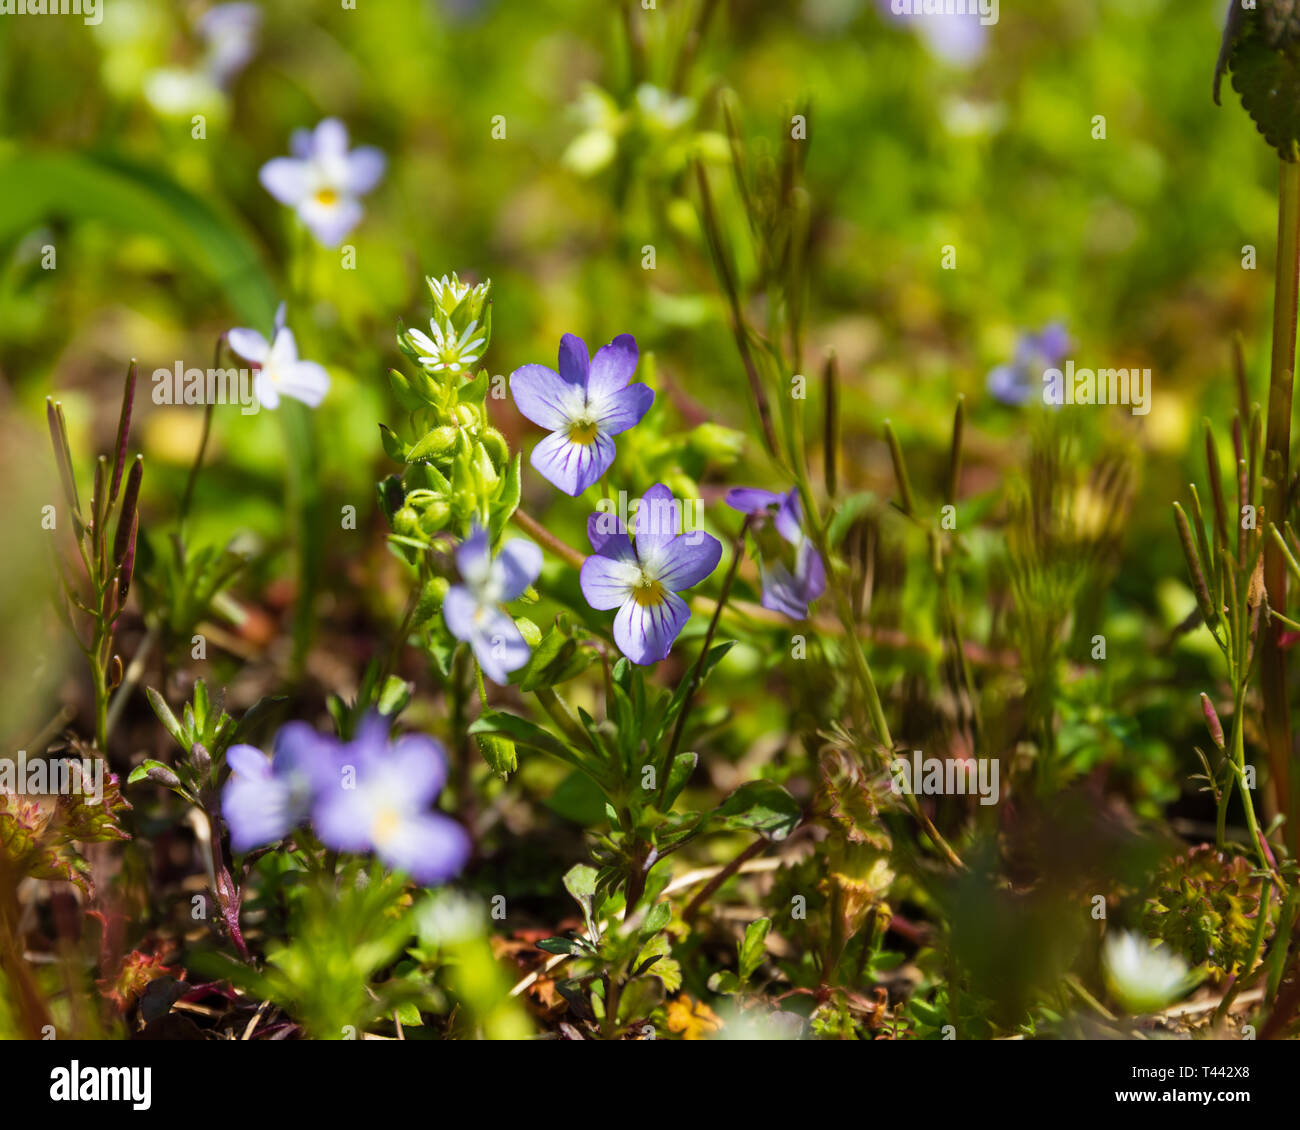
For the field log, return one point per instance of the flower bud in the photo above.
(200, 759)
(1212, 721)
(161, 775)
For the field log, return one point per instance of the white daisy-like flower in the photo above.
(449, 292)
(280, 372)
(446, 351)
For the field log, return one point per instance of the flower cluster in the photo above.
(458, 467)
(458, 327)
(785, 590)
(584, 403)
(369, 794)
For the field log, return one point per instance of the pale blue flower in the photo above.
(323, 181)
(472, 609)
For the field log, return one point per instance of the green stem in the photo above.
(737, 555)
(1277, 457)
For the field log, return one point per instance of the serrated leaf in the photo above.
(1267, 77)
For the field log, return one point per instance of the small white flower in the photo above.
(280, 372)
(323, 180)
(445, 350)
(1142, 976)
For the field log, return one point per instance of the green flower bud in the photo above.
(436, 443)
(496, 446)
(531, 632)
(434, 518)
(713, 441)
(406, 522)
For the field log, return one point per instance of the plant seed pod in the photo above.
(1212, 721)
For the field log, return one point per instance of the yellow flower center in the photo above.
(584, 432)
(327, 197)
(648, 592)
(385, 825)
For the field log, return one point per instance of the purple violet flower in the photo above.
(323, 181)
(642, 580)
(583, 406)
(472, 609)
(1017, 383)
(759, 503)
(789, 593)
(380, 801)
(266, 798)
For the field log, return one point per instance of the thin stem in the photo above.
(540, 533)
(1286, 302)
(737, 555)
(703, 895)
(203, 444)
(132, 676)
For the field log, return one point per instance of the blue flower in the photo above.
(642, 580)
(380, 801)
(323, 181)
(472, 609)
(264, 799)
(583, 406)
(1019, 382)
(785, 591)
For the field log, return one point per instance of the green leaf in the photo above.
(656, 919)
(580, 882)
(393, 696)
(753, 949)
(167, 718)
(499, 753)
(566, 946)
(683, 766)
(526, 734)
(36, 187)
(507, 503)
(394, 448)
(725, 982)
(763, 807)
(434, 445)
(678, 701)
(1263, 53)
